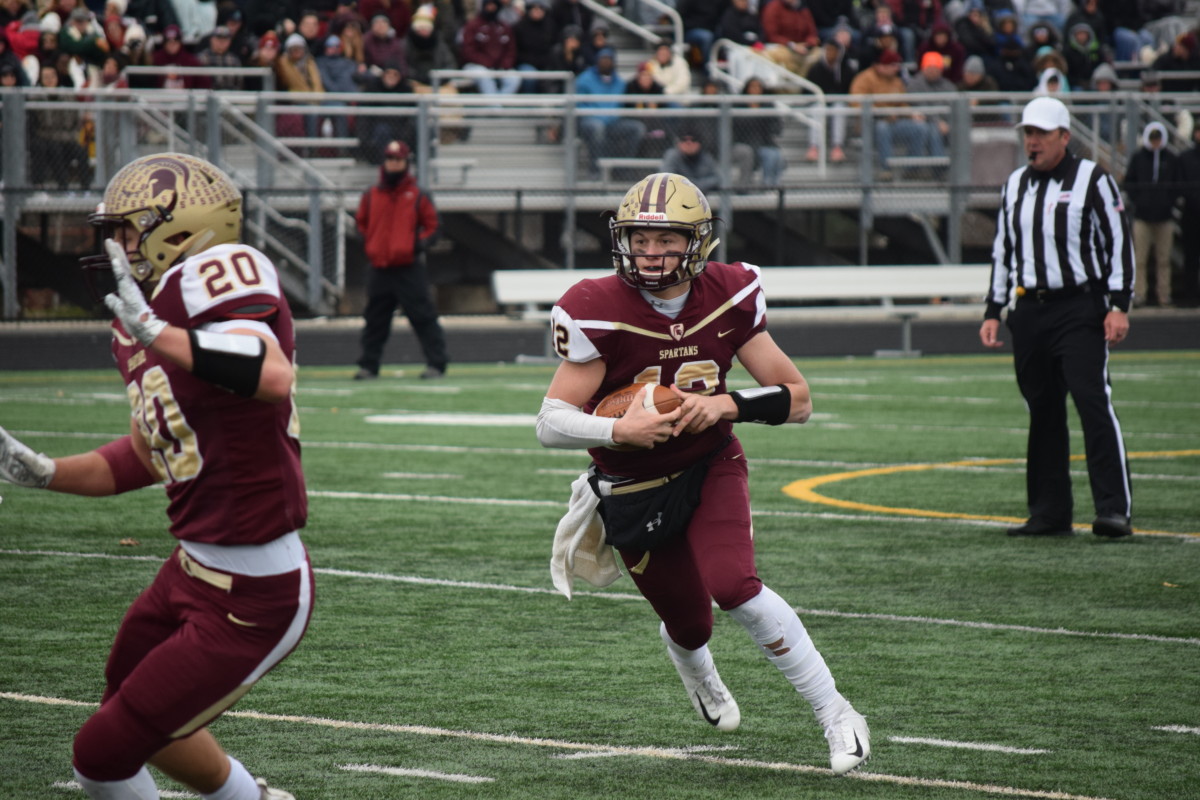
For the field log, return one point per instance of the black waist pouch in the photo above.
(644, 515)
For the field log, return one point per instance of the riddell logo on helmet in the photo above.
(648, 217)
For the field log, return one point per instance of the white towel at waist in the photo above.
(579, 550)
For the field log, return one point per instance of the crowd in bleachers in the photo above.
(392, 46)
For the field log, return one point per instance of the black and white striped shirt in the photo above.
(1061, 229)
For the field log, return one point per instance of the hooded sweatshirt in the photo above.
(1150, 178)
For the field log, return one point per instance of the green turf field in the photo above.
(440, 664)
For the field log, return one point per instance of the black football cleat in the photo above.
(1111, 526)
(1038, 528)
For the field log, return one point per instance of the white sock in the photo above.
(139, 787)
(773, 624)
(692, 663)
(239, 786)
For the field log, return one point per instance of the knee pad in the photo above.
(115, 743)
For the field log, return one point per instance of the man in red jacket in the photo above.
(398, 222)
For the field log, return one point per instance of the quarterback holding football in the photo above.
(204, 343)
(676, 504)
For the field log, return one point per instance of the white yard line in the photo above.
(1176, 729)
(990, 748)
(401, 772)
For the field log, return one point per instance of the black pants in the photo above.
(1059, 347)
(1189, 292)
(407, 287)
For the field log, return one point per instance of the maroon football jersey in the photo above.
(608, 319)
(231, 464)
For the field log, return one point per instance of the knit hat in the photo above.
(295, 40)
(1104, 72)
(973, 65)
(172, 33)
(333, 41)
(423, 19)
(932, 59)
(890, 57)
(269, 36)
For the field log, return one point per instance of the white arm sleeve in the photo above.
(560, 424)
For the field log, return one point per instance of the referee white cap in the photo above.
(1046, 113)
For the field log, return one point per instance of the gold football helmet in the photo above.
(663, 200)
(178, 204)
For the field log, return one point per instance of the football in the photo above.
(658, 398)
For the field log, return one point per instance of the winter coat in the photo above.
(488, 43)
(396, 222)
(1150, 179)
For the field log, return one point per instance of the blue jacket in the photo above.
(590, 81)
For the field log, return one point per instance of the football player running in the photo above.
(672, 317)
(203, 340)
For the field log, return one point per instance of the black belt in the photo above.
(1050, 295)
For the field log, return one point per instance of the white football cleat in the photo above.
(713, 702)
(849, 741)
(267, 793)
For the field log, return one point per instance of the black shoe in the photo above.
(1037, 528)
(1112, 526)
(365, 375)
(432, 373)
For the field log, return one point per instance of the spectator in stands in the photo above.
(974, 31)
(1052, 12)
(1083, 54)
(942, 41)
(1088, 13)
(1040, 36)
(112, 73)
(833, 72)
(1104, 80)
(339, 75)
(264, 57)
(650, 95)
(173, 53)
(904, 127)
(427, 49)
(113, 24)
(217, 54)
(571, 12)
(689, 159)
(915, 20)
(9, 59)
(931, 79)
(568, 53)
(1051, 81)
(671, 70)
(489, 44)
(137, 54)
(791, 35)
(264, 15)
(597, 40)
(1150, 186)
(56, 156)
(381, 44)
(375, 131)
(309, 26)
(883, 34)
(11, 11)
(346, 13)
(398, 13)
(975, 78)
(700, 19)
(510, 12)
(83, 38)
(1189, 186)
(1184, 55)
(23, 37)
(606, 135)
(1011, 69)
(829, 14)
(536, 37)
(296, 71)
(740, 24)
(760, 135)
(241, 42)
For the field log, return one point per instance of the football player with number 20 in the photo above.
(204, 343)
(669, 316)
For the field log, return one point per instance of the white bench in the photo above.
(647, 165)
(903, 293)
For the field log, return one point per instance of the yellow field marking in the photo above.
(806, 489)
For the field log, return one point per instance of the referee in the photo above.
(1063, 249)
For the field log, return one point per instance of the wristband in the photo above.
(127, 469)
(769, 405)
(230, 360)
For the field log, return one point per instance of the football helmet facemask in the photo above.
(177, 205)
(663, 200)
